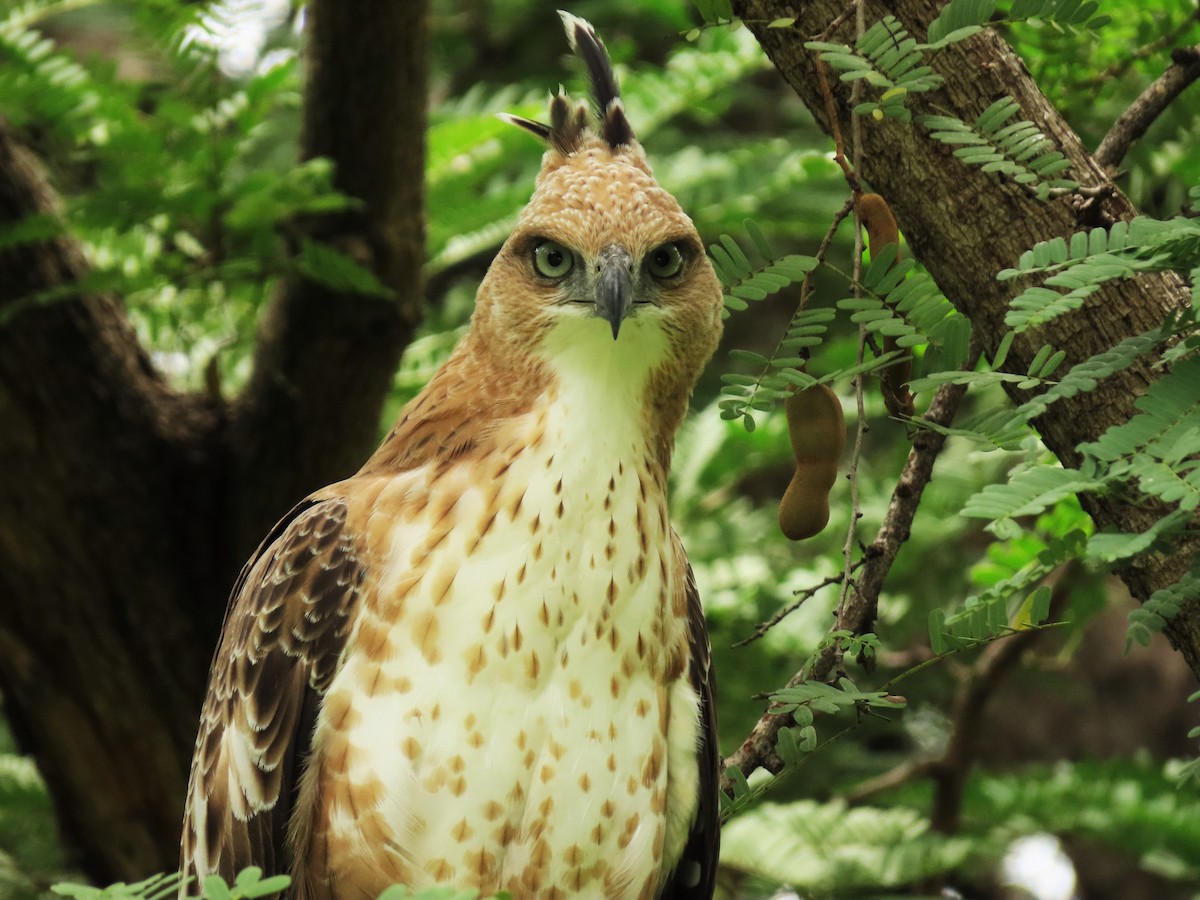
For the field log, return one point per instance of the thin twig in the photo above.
(1108, 73)
(835, 128)
(801, 596)
(805, 291)
(822, 249)
(861, 427)
(1132, 124)
(860, 431)
(834, 25)
(856, 144)
(909, 770)
(758, 749)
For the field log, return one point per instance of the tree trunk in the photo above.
(966, 225)
(127, 508)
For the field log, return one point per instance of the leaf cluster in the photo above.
(1017, 149)
(1152, 455)
(802, 702)
(886, 57)
(897, 302)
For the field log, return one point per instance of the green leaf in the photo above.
(957, 16)
(214, 888)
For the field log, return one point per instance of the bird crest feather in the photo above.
(572, 126)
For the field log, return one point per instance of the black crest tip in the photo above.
(588, 47)
(537, 129)
(615, 127)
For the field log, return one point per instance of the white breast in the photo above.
(504, 718)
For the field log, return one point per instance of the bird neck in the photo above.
(605, 395)
(604, 400)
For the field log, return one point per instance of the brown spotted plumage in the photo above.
(482, 660)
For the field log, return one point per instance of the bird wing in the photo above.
(695, 875)
(286, 626)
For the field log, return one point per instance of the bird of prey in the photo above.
(481, 661)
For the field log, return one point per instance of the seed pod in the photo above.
(882, 230)
(818, 434)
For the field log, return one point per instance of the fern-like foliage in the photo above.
(795, 742)
(1153, 452)
(1085, 376)
(248, 885)
(886, 57)
(899, 303)
(1017, 149)
(1030, 491)
(1165, 428)
(36, 81)
(1159, 608)
(743, 282)
(1073, 268)
(988, 614)
(1144, 814)
(1080, 266)
(822, 848)
(959, 19)
(1066, 15)
(903, 303)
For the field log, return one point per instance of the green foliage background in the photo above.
(180, 179)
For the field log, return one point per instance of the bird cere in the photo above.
(482, 660)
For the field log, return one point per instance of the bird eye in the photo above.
(552, 260)
(665, 261)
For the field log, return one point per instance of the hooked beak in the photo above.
(614, 286)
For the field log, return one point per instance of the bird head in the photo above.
(601, 256)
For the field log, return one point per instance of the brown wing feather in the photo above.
(284, 633)
(695, 875)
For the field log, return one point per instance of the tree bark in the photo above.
(966, 225)
(126, 508)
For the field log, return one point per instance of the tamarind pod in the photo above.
(877, 219)
(817, 431)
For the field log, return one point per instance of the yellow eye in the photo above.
(665, 261)
(552, 260)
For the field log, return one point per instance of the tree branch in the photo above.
(324, 360)
(1184, 69)
(758, 749)
(90, 474)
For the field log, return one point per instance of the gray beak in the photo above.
(614, 286)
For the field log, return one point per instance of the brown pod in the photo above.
(881, 225)
(817, 431)
(877, 219)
